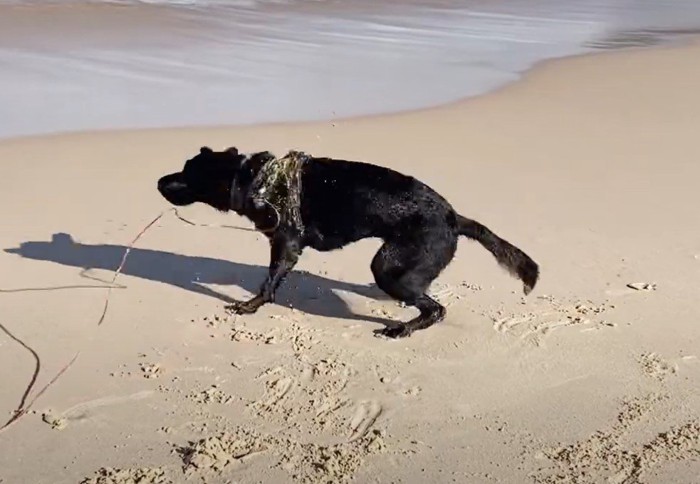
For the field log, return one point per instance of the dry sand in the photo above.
(590, 164)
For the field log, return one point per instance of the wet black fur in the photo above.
(343, 202)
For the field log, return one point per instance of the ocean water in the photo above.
(67, 65)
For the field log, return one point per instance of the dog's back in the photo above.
(345, 201)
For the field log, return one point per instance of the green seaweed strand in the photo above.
(278, 185)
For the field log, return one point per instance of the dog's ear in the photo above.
(205, 150)
(232, 150)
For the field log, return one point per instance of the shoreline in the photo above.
(83, 68)
(692, 39)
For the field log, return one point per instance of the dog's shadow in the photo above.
(304, 291)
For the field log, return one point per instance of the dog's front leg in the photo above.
(284, 254)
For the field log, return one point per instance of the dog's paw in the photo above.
(242, 307)
(394, 332)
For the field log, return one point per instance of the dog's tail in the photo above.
(514, 260)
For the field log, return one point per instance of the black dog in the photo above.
(301, 201)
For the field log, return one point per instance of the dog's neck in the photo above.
(242, 180)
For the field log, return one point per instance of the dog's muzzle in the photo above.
(175, 191)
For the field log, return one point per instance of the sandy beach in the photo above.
(589, 164)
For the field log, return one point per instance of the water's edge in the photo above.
(86, 68)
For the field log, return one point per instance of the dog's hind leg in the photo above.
(404, 269)
(284, 254)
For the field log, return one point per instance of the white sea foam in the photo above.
(185, 62)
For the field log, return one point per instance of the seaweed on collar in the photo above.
(278, 185)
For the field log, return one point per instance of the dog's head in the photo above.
(209, 176)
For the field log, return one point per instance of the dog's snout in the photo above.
(175, 190)
(162, 184)
(168, 183)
